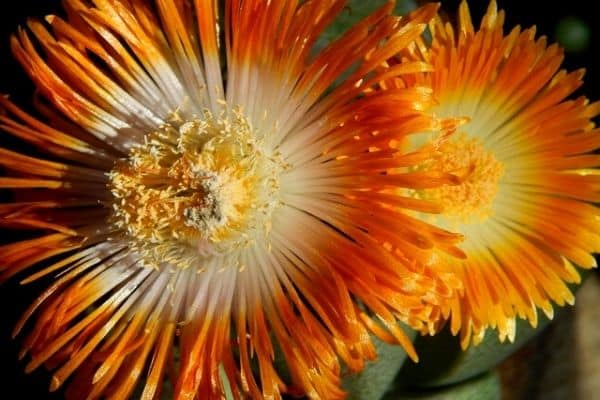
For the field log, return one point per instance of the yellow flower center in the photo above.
(195, 189)
(472, 199)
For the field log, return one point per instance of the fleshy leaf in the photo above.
(486, 387)
(355, 11)
(442, 362)
(375, 380)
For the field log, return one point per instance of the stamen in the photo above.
(194, 189)
(480, 172)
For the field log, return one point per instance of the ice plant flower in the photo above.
(529, 177)
(203, 191)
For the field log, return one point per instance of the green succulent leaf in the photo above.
(486, 387)
(356, 10)
(377, 377)
(442, 362)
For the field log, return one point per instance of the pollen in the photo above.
(194, 189)
(472, 199)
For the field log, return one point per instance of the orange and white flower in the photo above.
(215, 193)
(529, 177)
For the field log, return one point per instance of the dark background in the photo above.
(15, 298)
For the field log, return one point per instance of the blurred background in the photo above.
(553, 366)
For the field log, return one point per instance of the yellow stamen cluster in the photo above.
(480, 171)
(194, 189)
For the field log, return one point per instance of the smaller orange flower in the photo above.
(529, 176)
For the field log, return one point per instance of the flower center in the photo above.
(472, 199)
(195, 189)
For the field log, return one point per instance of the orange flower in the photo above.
(528, 172)
(216, 197)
